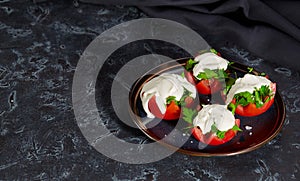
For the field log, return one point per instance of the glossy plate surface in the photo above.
(256, 132)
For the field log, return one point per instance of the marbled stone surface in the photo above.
(39, 137)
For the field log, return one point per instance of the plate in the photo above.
(257, 130)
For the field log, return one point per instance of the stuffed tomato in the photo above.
(164, 95)
(214, 124)
(207, 72)
(251, 95)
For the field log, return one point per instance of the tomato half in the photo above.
(173, 111)
(211, 138)
(251, 109)
(205, 86)
(208, 86)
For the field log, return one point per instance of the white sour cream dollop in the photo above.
(209, 61)
(214, 114)
(248, 83)
(162, 87)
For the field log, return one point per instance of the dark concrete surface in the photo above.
(40, 45)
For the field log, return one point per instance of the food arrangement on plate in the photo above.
(175, 97)
(167, 95)
(163, 96)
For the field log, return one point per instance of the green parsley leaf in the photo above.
(232, 107)
(230, 63)
(236, 128)
(265, 91)
(190, 64)
(221, 134)
(229, 82)
(186, 94)
(181, 102)
(208, 74)
(250, 69)
(244, 98)
(213, 51)
(258, 99)
(262, 74)
(213, 128)
(170, 99)
(182, 75)
(189, 114)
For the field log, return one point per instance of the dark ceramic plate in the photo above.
(175, 134)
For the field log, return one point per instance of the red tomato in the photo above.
(252, 110)
(211, 138)
(173, 111)
(208, 86)
(205, 86)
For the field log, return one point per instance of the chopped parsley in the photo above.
(208, 74)
(221, 134)
(230, 63)
(190, 64)
(229, 82)
(259, 97)
(172, 98)
(213, 51)
(250, 69)
(182, 75)
(236, 128)
(262, 74)
(189, 114)
(181, 102)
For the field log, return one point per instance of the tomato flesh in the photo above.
(173, 111)
(208, 86)
(251, 109)
(205, 86)
(211, 138)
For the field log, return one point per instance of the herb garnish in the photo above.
(221, 134)
(190, 64)
(250, 69)
(208, 74)
(229, 82)
(259, 97)
(213, 51)
(189, 114)
(181, 102)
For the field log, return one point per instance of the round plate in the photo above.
(257, 130)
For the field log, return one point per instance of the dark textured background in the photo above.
(39, 138)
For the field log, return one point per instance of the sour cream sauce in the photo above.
(162, 87)
(209, 61)
(248, 83)
(214, 114)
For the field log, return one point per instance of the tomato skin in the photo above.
(212, 139)
(190, 77)
(208, 86)
(205, 86)
(251, 109)
(173, 111)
